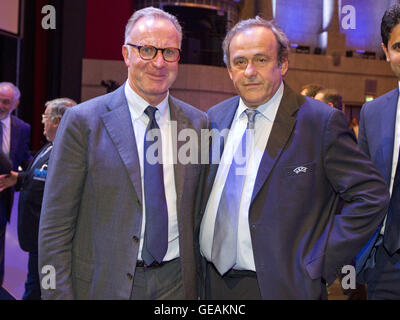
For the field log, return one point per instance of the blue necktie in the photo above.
(224, 252)
(155, 242)
(391, 237)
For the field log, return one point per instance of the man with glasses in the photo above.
(269, 228)
(31, 184)
(119, 223)
(14, 144)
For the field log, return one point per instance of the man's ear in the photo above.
(386, 52)
(229, 71)
(16, 104)
(284, 66)
(125, 54)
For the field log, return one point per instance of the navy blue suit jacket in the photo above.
(19, 156)
(31, 190)
(376, 139)
(298, 240)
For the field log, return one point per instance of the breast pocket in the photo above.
(299, 171)
(297, 183)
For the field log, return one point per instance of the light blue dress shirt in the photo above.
(263, 125)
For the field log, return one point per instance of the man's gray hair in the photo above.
(17, 93)
(59, 106)
(283, 42)
(152, 12)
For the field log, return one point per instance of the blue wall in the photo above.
(301, 20)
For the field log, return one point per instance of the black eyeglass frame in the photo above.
(157, 49)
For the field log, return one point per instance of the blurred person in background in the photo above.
(31, 183)
(15, 136)
(310, 90)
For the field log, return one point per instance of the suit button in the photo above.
(253, 226)
(130, 276)
(135, 239)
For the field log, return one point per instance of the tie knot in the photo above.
(251, 115)
(150, 111)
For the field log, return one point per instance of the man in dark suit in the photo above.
(269, 228)
(379, 262)
(14, 142)
(31, 183)
(118, 217)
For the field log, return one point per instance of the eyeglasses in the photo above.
(149, 52)
(45, 116)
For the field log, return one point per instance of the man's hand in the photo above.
(8, 180)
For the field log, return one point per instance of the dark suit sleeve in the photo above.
(61, 202)
(5, 164)
(23, 148)
(359, 184)
(362, 138)
(20, 179)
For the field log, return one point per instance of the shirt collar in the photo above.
(137, 104)
(268, 109)
(6, 121)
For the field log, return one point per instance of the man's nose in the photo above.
(250, 70)
(158, 60)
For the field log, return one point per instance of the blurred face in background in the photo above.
(8, 103)
(50, 124)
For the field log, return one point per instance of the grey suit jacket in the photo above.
(19, 156)
(92, 208)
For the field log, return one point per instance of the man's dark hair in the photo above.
(280, 36)
(311, 89)
(390, 19)
(332, 96)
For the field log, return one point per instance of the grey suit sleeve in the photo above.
(61, 202)
(359, 184)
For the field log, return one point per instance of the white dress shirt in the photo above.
(6, 142)
(263, 125)
(137, 105)
(396, 147)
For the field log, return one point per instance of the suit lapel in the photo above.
(219, 123)
(282, 128)
(14, 137)
(179, 121)
(387, 128)
(118, 123)
(37, 155)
